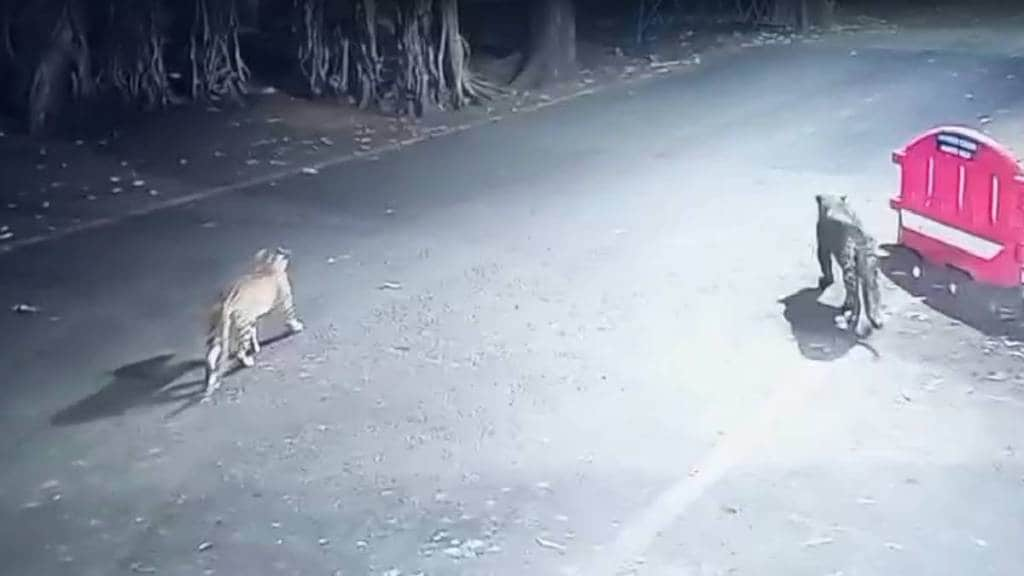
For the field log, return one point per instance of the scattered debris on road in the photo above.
(204, 546)
(25, 309)
(390, 286)
(815, 542)
(550, 544)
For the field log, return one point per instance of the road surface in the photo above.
(579, 341)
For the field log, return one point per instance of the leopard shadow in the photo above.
(150, 382)
(147, 382)
(814, 328)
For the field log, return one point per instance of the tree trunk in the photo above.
(551, 54)
(803, 14)
(369, 65)
(63, 70)
(821, 13)
(133, 62)
(218, 71)
(419, 79)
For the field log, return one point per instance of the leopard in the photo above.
(263, 289)
(841, 236)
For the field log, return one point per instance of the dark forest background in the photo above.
(400, 57)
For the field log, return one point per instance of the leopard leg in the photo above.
(254, 340)
(290, 316)
(246, 327)
(851, 282)
(825, 262)
(872, 293)
(213, 368)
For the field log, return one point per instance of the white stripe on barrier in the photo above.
(975, 245)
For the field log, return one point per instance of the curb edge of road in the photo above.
(374, 154)
(274, 177)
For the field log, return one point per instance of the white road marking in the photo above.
(637, 535)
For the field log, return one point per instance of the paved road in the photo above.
(602, 360)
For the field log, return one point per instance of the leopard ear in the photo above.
(261, 255)
(818, 198)
(842, 198)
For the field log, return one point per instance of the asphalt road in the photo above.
(602, 357)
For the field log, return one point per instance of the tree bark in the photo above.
(420, 80)
(551, 54)
(63, 69)
(803, 14)
(369, 65)
(133, 56)
(218, 70)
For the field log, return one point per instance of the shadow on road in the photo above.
(991, 310)
(814, 327)
(144, 383)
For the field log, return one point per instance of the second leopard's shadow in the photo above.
(814, 327)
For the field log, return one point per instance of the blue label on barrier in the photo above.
(957, 145)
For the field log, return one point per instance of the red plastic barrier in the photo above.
(961, 203)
